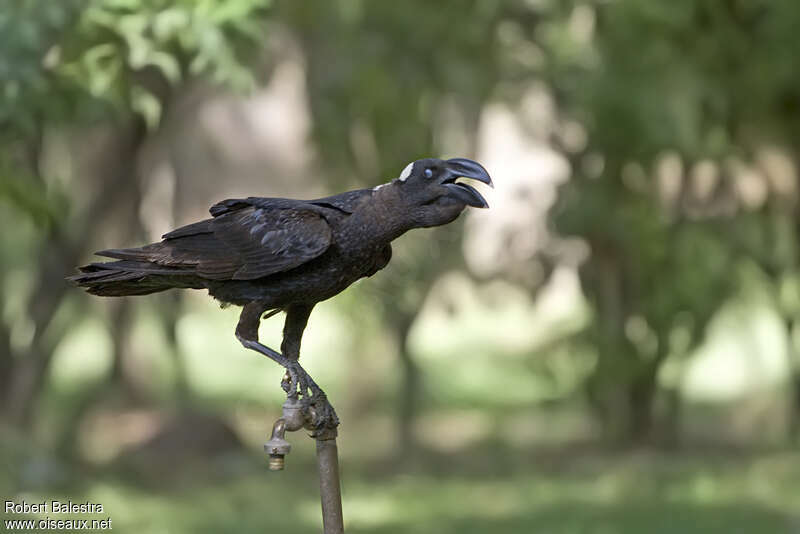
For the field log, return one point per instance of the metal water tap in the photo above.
(294, 418)
(277, 447)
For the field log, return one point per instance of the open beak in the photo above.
(465, 168)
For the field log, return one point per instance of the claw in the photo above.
(286, 384)
(324, 415)
(290, 381)
(296, 382)
(299, 385)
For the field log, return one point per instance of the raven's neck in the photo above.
(381, 217)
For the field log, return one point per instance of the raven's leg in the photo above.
(296, 321)
(247, 334)
(299, 380)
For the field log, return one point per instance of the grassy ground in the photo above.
(512, 492)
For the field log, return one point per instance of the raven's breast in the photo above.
(315, 281)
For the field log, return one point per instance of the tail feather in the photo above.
(130, 277)
(137, 254)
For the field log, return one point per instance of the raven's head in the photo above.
(431, 194)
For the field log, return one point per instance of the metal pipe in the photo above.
(294, 418)
(329, 487)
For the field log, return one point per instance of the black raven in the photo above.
(276, 254)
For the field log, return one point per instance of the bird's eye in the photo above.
(428, 173)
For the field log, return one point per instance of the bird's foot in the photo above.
(297, 382)
(325, 418)
(299, 385)
(291, 381)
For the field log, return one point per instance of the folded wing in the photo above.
(242, 242)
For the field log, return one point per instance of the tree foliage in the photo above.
(672, 96)
(679, 120)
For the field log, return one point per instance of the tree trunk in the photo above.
(170, 310)
(793, 428)
(30, 369)
(641, 398)
(409, 390)
(6, 358)
(60, 253)
(673, 418)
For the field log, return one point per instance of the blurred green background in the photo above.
(611, 348)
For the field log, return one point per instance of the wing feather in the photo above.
(242, 242)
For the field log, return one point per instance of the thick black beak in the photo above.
(466, 168)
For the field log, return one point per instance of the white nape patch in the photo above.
(406, 172)
(403, 176)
